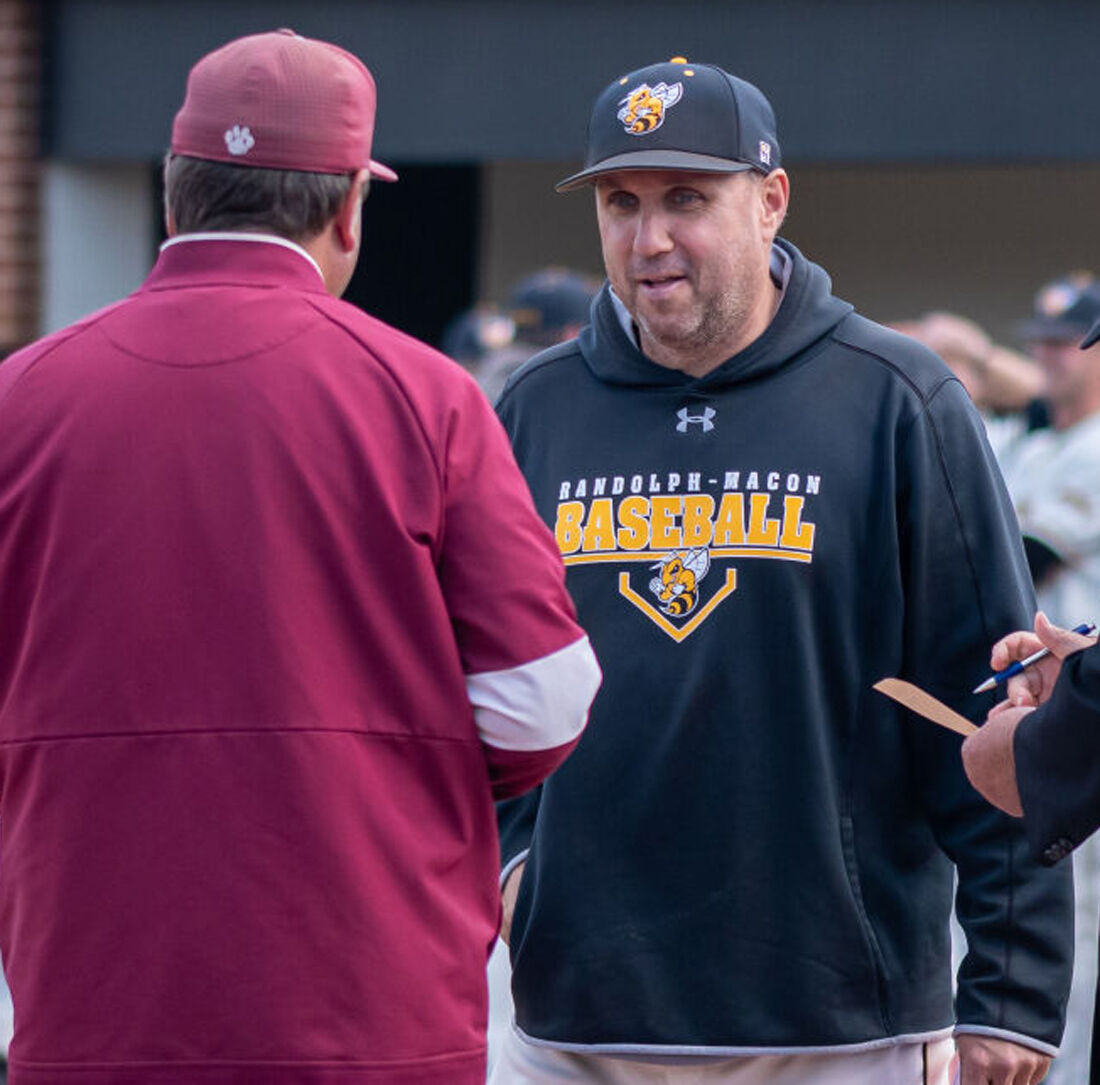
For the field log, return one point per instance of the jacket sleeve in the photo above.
(966, 585)
(530, 671)
(516, 817)
(519, 709)
(1057, 750)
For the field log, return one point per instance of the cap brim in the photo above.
(654, 160)
(1049, 329)
(380, 172)
(1092, 338)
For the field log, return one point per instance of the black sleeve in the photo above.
(516, 823)
(1057, 750)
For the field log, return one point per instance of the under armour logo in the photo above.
(703, 419)
(239, 140)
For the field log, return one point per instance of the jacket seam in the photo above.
(189, 732)
(956, 510)
(76, 332)
(337, 1064)
(234, 359)
(925, 397)
(401, 390)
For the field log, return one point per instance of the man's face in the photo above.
(1071, 375)
(688, 254)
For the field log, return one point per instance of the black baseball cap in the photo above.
(679, 116)
(1066, 309)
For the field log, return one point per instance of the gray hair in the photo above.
(205, 195)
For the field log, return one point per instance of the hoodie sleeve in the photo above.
(530, 671)
(967, 585)
(516, 825)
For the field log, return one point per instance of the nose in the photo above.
(652, 236)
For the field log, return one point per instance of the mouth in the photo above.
(659, 285)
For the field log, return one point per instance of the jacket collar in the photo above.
(249, 259)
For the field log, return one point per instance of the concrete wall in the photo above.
(897, 241)
(97, 237)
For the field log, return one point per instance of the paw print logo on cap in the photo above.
(239, 140)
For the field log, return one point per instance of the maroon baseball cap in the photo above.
(280, 101)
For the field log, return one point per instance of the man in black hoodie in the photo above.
(765, 503)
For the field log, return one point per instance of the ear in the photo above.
(775, 195)
(347, 224)
(169, 222)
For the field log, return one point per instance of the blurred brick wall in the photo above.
(19, 172)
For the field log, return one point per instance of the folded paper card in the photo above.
(924, 704)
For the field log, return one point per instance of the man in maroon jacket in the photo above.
(278, 622)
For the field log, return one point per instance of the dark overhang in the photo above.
(467, 80)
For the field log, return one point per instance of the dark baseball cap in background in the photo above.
(679, 116)
(549, 302)
(1092, 338)
(1065, 309)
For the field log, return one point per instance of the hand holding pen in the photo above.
(1037, 657)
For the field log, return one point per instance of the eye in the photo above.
(621, 200)
(685, 197)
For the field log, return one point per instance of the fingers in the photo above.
(1033, 686)
(1061, 642)
(1038, 1073)
(989, 761)
(999, 1063)
(1023, 700)
(1015, 646)
(1024, 690)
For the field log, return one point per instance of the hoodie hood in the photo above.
(807, 313)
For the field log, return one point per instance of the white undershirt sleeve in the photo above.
(537, 705)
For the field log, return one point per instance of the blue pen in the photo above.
(1085, 628)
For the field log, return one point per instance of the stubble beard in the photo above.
(708, 333)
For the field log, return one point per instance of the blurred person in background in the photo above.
(1053, 473)
(1003, 383)
(546, 307)
(1053, 477)
(475, 332)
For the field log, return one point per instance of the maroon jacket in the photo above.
(275, 607)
